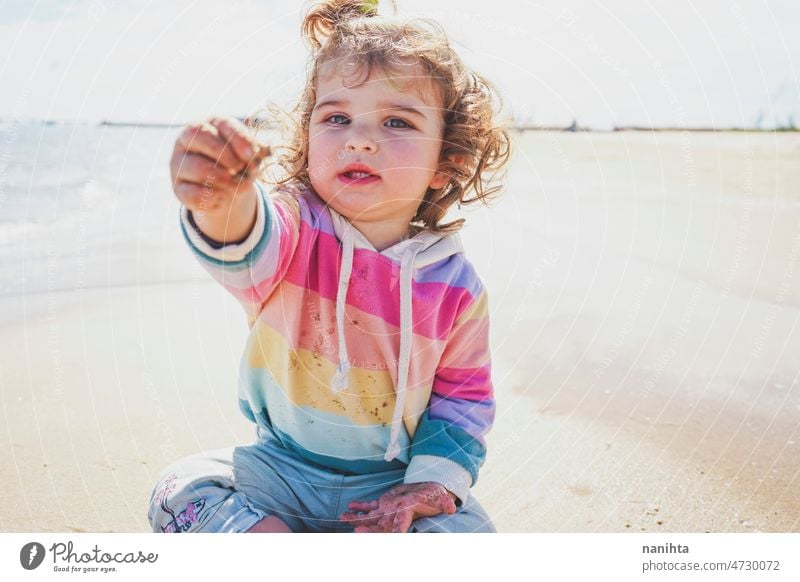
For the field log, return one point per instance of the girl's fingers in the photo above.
(382, 524)
(238, 137)
(196, 197)
(362, 518)
(198, 169)
(402, 522)
(205, 139)
(444, 503)
(205, 197)
(363, 505)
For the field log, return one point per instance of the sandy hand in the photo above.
(395, 510)
(213, 161)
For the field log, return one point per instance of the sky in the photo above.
(679, 63)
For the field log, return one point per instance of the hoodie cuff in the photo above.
(232, 252)
(427, 468)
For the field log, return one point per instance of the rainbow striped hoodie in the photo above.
(358, 360)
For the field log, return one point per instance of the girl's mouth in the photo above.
(356, 177)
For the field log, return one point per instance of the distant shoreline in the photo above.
(514, 127)
(578, 129)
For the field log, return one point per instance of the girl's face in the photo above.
(374, 148)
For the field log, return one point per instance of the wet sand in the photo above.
(645, 297)
(653, 333)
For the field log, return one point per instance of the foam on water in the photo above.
(86, 207)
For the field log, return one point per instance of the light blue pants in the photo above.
(230, 490)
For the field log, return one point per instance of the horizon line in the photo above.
(573, 127)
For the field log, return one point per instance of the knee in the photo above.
(184, 493)
(167, 511)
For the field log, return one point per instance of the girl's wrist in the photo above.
(230, 224)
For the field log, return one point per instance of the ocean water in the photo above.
(85, 207)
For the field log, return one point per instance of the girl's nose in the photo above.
(359, 142)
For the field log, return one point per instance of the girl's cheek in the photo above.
(411, 149)
(321, 154)
(402, 152)
(327, 145)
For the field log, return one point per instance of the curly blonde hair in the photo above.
(475, 147)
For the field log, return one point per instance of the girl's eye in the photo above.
(337, 119)
(396, 123)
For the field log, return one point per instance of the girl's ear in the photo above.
(441, 178)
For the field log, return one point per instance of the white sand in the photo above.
(645, 295)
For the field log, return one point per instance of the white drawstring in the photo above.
(339, 381)
(406, 335)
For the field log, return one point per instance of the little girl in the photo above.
(367, 367)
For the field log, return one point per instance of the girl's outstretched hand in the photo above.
(395, 510)
(213, 167)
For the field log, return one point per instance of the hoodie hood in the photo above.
(423, 249)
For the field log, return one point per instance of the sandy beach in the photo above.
(645, 300)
